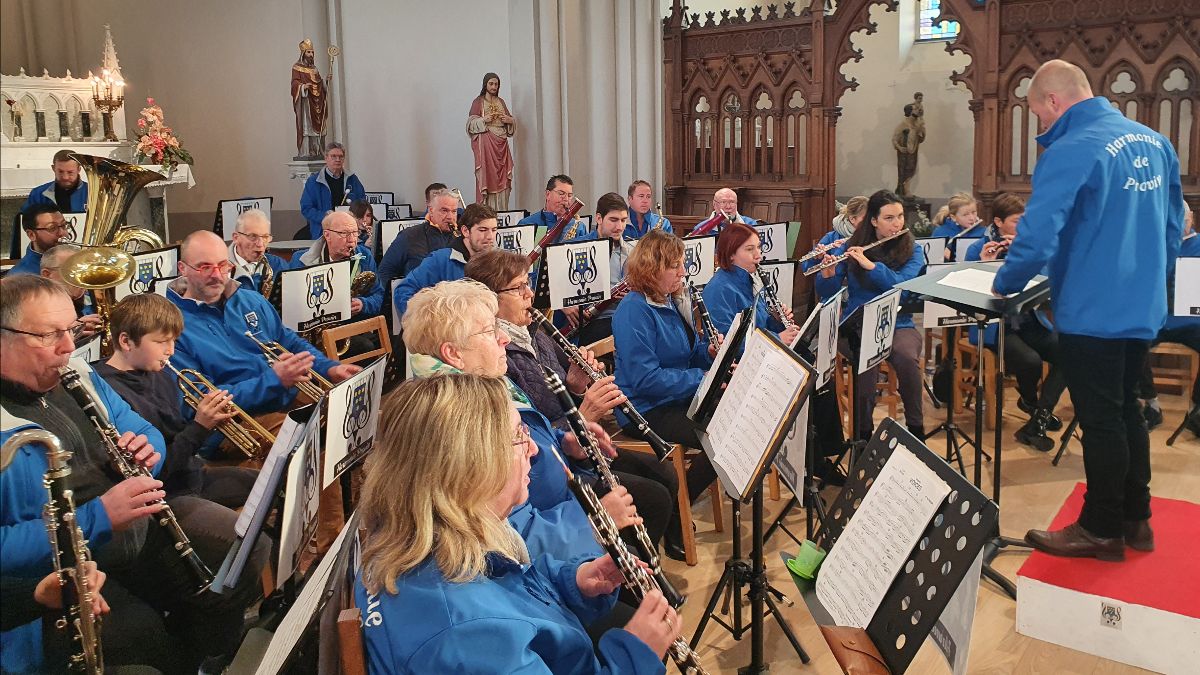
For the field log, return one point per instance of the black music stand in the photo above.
(956, 438)
(1065, 440)
(909, 611)
(984, 307)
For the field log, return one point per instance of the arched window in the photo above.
(927, 29)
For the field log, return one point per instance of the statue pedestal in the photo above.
(301, 169)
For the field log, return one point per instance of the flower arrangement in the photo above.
(156, 141)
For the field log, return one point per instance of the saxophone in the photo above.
(69, 552)
(267, 284)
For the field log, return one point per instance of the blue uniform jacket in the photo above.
(373, 299)
(828, 239)
(214, 342)
(402, 256)
(659, 361)
(1106, 213)
(447, 264)
(729, 292)
(24, 546)
(548, 219)
(637, 230)
(515, 619)
(44, 194)
(30, 263)
(317, 200)
(873, 284)
(252, 282)
(949, 229)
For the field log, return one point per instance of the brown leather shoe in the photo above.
(1138, 535)
(1075, 542)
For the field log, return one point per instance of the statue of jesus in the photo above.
(490, 125)
(311, 103)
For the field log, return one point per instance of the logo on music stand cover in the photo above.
(71, 232)
(583, 268)
(691, 261)
(252, 320)
(766, 241)
(243, 207)
(320, 291)
(147, 272)
(510, 241)
(883, 326)
(772, 285)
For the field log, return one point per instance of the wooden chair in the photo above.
(1179, 375)
(887, 391)
(351, 652)
(376, 324)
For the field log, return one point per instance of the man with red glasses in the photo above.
(217, 312)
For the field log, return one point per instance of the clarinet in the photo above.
(68, 552)
(591, 447)
(637, 579)
(660, 447)
(710, 330)
(125, 465)
(774, 305)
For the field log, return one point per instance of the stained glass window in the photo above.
(927, 29)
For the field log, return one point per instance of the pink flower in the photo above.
(149, 101)
(141, 124)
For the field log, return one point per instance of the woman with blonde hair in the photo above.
(847, 220)
(446, 584)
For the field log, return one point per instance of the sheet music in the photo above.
(975, 280)
(875, 544)
(756, 400)
(1187, 287)
(711, 375)
(284, 442)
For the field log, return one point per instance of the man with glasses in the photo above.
(248, 251)
(90, 323)
(725, 201)
(339, 241)
(560, 195)
(414, 244)
(478, 230)
(45, 226)
(217, 312)
(326, 189)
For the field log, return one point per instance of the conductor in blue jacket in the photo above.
(328, 188)
(1106, 216)
(446, 585)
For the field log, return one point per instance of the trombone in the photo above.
(314, 389)
(242, 430)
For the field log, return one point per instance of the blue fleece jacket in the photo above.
(866, 286)
(214, 342)
(447, 264)
(659, 360)
(372, 300)
(548, 219)
(638, 227)
(30, 263)
(513, 619)
(317, 200)
(731, 291)
(44, 194)
(1106, 214)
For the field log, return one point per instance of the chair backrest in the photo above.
(377, 324)
(602, 347)
(351, 653)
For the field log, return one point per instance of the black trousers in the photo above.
(1102, 376)
(1025, 349)
(1188, 336)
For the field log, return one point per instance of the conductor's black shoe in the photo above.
(1075, 542)
(1153, 415)
(1138, 535)
(1053, 423)
(1033, 433)
(674, 551)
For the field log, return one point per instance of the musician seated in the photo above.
(331, 186)
(661, 359)
(144, 329)
(560, 197)
(958, 219)
(1027, 343)
(612, 218)
(339, 241)
(446, 585)
(217, 314)
(641, 218)
(478, 234)
(248, 252)
(725, 208)
(416, 243)
(868, 274)
(45, 226)
(145, 573)
(89, 322)
(26, 599)
(736, 284)
(844, 224)
(364, 215)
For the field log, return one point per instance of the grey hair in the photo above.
(250, 214)
(53, 258)
(334, 145)
(16, 290)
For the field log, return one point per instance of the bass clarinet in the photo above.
(591, 447)
(637, 579)
(125, 465)
(706, 322)
(69, 553)
(661, 448)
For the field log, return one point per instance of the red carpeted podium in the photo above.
(1144, 611)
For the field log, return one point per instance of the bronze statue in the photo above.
(311, 103)
(907, 139)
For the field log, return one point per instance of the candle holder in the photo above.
(108, 93)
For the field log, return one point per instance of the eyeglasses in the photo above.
(50, 338)
(348, 234)
(563, 194)
(523, 436)
(224, 267)
(56, 227)
(519, 289)
(336, 157)
(494, 330)
(264, 238)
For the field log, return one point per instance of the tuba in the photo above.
(105, 261)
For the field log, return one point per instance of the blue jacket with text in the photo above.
(729, 292)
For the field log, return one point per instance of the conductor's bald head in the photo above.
(1057, 85)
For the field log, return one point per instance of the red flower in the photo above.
(149, 101)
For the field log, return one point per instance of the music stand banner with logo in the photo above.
(510, 218)
(315, 296)
(398, 211)
(578, 273)
(825, 350)
(878, 329)
(782, 277)
(75, 221)
(301, 498)
(229, 209)
(934, 248)
(519, 238)
(381, 197)
(89, 351)
(150, 272)
(773, 241)
(351, 419)
(378, 210)
(700, 259)
(390, 229)
(936, 315)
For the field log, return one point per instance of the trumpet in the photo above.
(242, 430)
(314, 389)
(842, 258)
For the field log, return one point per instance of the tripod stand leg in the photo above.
(1000, 580)
(778, 523)
(722, 585)
(1066, 439)
(787, 630)
(1178, 430)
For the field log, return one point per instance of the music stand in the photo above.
(979, 303)
(1065, 440)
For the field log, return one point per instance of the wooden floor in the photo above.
(1031, 492)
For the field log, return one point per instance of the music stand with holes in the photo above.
(936, 566)
(984, 307)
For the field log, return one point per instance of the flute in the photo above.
(820, 249)
(661, 448)
(841, 258)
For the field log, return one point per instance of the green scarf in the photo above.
(424, 366)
